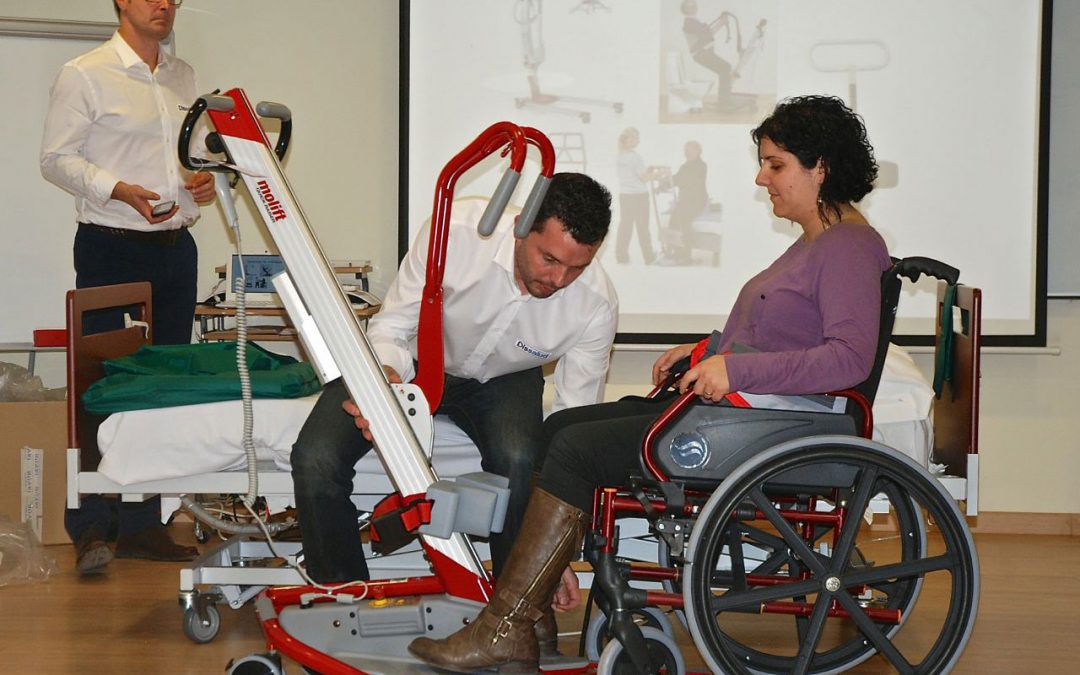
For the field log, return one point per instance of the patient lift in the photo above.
(400, 414)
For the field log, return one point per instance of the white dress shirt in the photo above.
(110, 119)
(490, 326)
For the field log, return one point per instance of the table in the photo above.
(212, 319)
(29, 348)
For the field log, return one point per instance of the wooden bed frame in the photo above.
(956, 413)
(86, 352)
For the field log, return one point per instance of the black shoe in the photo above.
(92, 554)
(153, 544)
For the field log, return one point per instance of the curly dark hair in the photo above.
(580, 203)
(822, 128)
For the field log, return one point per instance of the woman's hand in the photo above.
(362, 422)
(708, 379)
(662, 368)
(568, 593)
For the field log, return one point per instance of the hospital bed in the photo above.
(196, 450)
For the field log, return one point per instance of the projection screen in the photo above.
(953, 94)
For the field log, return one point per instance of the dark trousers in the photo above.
(503, 416)
(633, 215)
(100, 260)
(600, 445)
(595, 445)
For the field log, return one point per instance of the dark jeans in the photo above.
(503, 416)
(100, 260)
(633, 216)
(595, 445)
(600, 445)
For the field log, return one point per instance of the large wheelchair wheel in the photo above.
(818, 599)
(761, 552)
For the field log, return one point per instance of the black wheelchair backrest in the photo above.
(891, 281)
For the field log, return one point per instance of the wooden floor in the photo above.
(128, 620)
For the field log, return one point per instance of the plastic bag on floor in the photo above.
(17, 384)
(22, 558)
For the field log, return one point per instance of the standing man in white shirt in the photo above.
(110, 139)
(510, 306)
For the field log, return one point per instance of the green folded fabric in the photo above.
(943, 360)
(162, 376)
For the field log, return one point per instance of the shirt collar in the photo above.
(504, 257)
(129, 58)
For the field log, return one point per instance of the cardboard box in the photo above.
(35, 481)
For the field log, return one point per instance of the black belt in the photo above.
(157, 237)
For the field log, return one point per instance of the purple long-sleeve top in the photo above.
(812, 316)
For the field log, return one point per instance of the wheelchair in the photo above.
(764, 551)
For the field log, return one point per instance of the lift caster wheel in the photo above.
(199, 631)
(256, 664)
(202, 535)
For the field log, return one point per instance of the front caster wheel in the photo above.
(597, 635)
(663, 652)
(200, 631)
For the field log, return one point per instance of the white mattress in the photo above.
(902, 407)
(165, 443)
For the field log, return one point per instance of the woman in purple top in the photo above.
(810, 320)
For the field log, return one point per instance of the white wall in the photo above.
(335, 64)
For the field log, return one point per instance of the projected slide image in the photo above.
(666, 210)
(529, 16)
(657, 99)
(717, 61)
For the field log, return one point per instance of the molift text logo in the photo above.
(273, 206)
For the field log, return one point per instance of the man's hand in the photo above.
(201, 187)
(362, 422)
(568, 593)
(662, 368)
(141, 199)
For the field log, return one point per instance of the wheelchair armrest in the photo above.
(658, 426)
(864, 407)
(676, 372)
(684, 401)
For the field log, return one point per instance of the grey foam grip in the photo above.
(276, 110)
(219, 103)
(532, 206)
(499, 199)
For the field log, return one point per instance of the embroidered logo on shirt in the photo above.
(532, 351)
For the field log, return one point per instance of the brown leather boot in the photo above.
(547, 634)
(502, 634)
